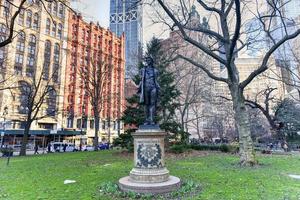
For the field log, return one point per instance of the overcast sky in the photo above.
(94, 10)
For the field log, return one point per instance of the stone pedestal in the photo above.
(149, 174)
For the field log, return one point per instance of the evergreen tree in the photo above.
(167, 104)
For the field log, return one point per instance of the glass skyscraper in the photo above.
(126, 17)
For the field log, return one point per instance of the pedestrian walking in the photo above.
(49, 148)
(65, 147)
(285, 146)
(36, 148)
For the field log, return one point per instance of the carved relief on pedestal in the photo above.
(149, 156)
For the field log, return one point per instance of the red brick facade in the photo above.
(88, 42)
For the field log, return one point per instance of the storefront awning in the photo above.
(42, 132)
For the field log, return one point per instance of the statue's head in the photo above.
(149, 61)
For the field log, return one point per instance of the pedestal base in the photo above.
(149, 174)
(172, 184)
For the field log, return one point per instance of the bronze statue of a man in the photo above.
(149, 89)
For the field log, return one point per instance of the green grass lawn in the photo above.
(42, 177)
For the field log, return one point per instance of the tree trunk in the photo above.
(247, 156)
(96, 138)
(109, 133)
(25, 139)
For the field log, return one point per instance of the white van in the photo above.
(59, 147)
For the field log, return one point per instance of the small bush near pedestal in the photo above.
(124, 141)
(188, 190)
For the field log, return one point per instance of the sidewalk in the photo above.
(29, 152)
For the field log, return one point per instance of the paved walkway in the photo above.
(29, 152)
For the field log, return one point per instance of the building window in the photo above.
(53, 33)
(21, 18)
(25, 91)
(61, 11)
(3, 36)
(49, 7)
(70, 122)
(78, 124)
(51, 102)
(54, 8)
(47, 58)
(21, 42)
(103, 125)
(56, 62)
(36, 21)
(92, 124)
(29, 19)
(48, 24)
(6, 8)
(31, 58)
(19, 58)
(59, 31)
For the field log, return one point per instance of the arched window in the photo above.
(49, 7)
(56, 53)
(54, 8)
(31, 58)
(21, 42)
(6, 8)
(29, 19)
(36, 21)
(61, 11)
(59, 30)
(20, 48)
(21, 18)
(24, 97)
(48, 24)
(3, 50)
(53, 33)
(56, 62)
(47, 58)
(51, 102)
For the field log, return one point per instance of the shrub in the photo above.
(125, 141)
(179, 148)
(7, 151)
(214, 147)
(205, 147)
(224, 148)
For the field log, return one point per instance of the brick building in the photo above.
(88, 43)
(38, 47)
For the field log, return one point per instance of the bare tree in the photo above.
(38, 100)
(268, 102)
(94, 80)
(226, 42)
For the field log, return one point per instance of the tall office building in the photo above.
(126, 17)
(286, 55)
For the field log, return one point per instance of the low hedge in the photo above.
(180, 148)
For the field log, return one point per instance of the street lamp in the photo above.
(81, 125)
(5, 112)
